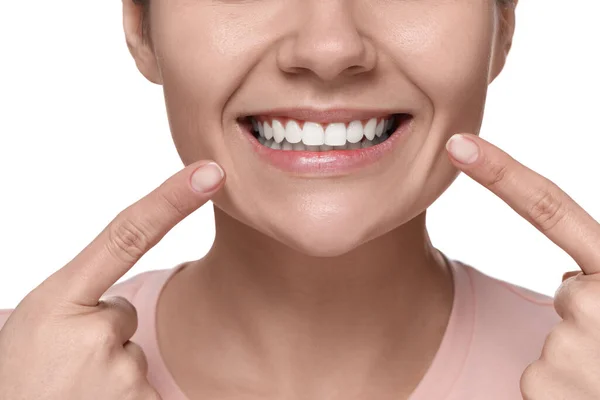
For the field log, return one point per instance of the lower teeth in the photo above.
(285, 145)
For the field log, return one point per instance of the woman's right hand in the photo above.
(63, 342)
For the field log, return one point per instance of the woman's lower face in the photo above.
(329, 117)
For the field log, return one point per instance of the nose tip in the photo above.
(328, 49)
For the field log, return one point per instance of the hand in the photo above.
(569, 366)
(63, 342)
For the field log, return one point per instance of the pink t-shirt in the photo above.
(495, 330)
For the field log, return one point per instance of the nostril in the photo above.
(328, 50)
(355, 70)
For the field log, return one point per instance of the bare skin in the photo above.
(77, 344)
(63, 341)
(299, 327)
(313, 290)
(317, 288)
(568, 365)
(314, 263)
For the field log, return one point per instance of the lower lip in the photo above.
(327, 163)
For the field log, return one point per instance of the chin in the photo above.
(320, 244)
(329, 236)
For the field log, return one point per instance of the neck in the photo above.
(402, 262)
(380, 304)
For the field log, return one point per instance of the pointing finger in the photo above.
(134, 232)
(535, 198)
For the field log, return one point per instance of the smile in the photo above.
(323, 145)
(289, 134)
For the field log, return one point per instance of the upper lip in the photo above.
(324, 116)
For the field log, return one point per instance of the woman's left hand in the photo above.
(569, 365)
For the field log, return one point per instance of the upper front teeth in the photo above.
(314, 134)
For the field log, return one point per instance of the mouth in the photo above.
(337, 144)
(287, 134)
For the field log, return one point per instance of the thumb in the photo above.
(570, 274)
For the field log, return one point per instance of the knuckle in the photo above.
(495, 173)
(101, 334)
(124, 306)
(129, 372)
(559, 345)
(131, 377)
(137, 355)
(133, 384)
(547, 209)
(127, 240)
(531, 380)
(173, 201)
(583, 301)
(562, 297)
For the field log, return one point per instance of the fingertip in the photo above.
(462, 148)
(207, 177)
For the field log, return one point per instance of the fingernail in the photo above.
(462, 149)
(207, 177)
(569, 274)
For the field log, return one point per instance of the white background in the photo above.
(83, 135)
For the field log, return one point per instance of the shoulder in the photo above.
(127, 288)
(518, 310)
(509, 327)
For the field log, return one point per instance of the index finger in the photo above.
(534, 197)
(133, 232)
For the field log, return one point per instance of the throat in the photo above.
(273, 341)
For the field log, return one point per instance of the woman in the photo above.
(330, 121)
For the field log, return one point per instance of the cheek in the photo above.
(442, 47)
(446, 53)
(205, 51)
(446, 50)
(204, 54)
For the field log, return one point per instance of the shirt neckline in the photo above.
(448, 363)
(158, 374)
(437, 383)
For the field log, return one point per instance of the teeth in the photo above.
(379, 129)
(354, 133)
(299, 146)
(316, 137)
(261, 130)
(293, 132)
(370, 129)
(335, 134)
(313, 134)
(278, 131)
(268, 131)
(285, 145)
